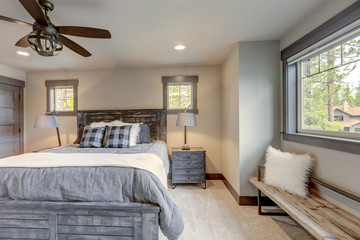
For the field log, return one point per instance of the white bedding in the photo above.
(145, 161)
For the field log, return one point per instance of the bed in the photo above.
(91, 202)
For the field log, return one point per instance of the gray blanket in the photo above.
(94, 184)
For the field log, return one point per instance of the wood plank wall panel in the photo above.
(154, 118)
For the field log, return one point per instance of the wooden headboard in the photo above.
(154, 118)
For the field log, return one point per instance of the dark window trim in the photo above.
(339, 21)
(290, 93)
(180, 79)
(351, 146)
(62, 83)
(12, 81)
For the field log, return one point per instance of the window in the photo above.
(330, 84)
(180, 92)
(339, 118)
(62, 96)
(321, 73)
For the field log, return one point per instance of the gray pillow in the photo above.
(144, 134)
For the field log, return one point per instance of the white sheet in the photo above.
(145, 161)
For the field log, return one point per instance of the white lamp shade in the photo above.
(186, 119)
(46, 122)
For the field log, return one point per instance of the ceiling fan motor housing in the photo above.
(45, 40)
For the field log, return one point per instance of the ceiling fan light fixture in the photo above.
(22, 53)
(180, 47)
(45, 41)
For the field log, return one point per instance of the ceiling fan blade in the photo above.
(15, 21)
(23, 42)
(74, 46)
(35, 11)
(84, 32)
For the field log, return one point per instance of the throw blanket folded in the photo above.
(145, 161)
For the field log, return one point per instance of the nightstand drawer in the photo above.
(190, 170)
(187, 163)
(192, 156)
(180, 178)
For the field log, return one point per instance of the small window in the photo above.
(62, 96)
(339, 118)
(180, 92)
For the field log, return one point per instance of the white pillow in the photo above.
(99, 124)
(287, 171)
(134, 132)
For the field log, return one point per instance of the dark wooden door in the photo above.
(9, 120)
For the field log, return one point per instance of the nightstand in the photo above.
(188, 166)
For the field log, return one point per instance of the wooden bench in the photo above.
(319, 217)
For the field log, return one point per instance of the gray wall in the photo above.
(251, 110)
(337, 167)
(259, 97)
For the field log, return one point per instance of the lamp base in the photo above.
(185, 147)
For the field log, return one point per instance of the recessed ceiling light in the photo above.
(23, 53)
(179, 47)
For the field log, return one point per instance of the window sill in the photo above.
(63, 113)
(181, 111)
(345, 145)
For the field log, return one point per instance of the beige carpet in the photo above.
(213, 214)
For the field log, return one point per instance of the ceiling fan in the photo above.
(46, 38)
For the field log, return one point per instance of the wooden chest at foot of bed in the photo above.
(78, 220)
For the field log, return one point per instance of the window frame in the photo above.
(347, 20)
(52, 84)
(300, 111)
(193, 80)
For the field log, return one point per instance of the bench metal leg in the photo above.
(260, 212)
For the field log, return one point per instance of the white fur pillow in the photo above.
(98, 124)
(287, 171)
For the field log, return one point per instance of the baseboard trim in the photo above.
(247, 200)
(232, 191)
(214, 176)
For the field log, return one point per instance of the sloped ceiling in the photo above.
(144, 32)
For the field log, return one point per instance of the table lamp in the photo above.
(45, 121)
(185, 119)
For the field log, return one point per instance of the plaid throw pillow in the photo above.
(92, 137)
(117, 136)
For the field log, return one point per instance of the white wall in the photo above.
(230, 119)
(337, 167)
(259, 97)
(12, 72)
(129, 89)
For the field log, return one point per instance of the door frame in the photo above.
(21, 84)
